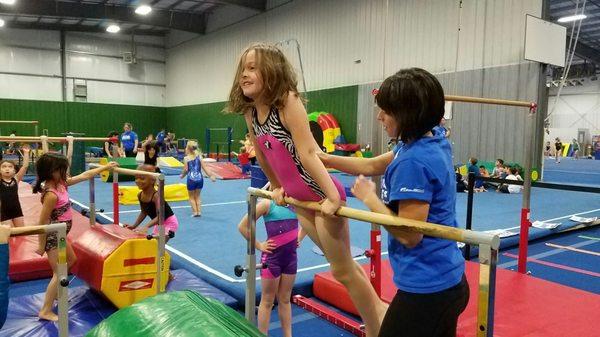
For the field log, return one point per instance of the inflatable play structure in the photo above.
(174, 192)
(119, 263)
(181, 313)
(326, 130)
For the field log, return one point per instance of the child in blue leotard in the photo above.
(192, 167)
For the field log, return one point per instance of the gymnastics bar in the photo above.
(61, 232)
(51, 139)
(160, 207)
(35, 124)
(488, 251)
(526, 201)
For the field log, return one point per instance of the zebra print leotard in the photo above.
(273, 131)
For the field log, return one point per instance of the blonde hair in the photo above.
(277, 73)
(192, 147)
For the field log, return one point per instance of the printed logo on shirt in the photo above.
(268, 144)
(415, 190)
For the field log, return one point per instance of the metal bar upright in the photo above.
(161, 234)
(63, 282)
(92, 202)
(251, 262)
(488, 259)
(115, 186)
(471, 192)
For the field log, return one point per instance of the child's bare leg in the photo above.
(199, 202)
(267, 298)
(46, 312)
(284, 307)
(334, 236)
(192, 201)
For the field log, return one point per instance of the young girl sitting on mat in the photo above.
(52, 182)
(192, 167)
(10, 207)
(265, 91)
(418, 183)
(279, 253)
(148, 199)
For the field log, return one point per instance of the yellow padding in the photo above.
(565, 149)
(169, 162)
(463, 170)
(129, 273)
(174, 192)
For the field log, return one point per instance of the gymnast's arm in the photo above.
(354, 165)
(4, 234)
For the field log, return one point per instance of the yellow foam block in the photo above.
(169, 162)
(130, 272)
(565, 149)
(463, 170)
(174, 192)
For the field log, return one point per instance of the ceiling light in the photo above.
(7, 2)
(113, 29)
(572, 18)
(143, 10)
(1, 23)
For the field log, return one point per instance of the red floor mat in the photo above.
(525, 305)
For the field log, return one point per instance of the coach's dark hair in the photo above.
(415, 99)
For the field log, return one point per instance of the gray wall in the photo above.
(483, 131)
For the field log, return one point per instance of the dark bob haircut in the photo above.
(415, 99)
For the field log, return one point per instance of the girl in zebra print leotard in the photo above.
(265, 92)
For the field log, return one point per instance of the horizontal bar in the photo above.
(30, 139)
(495, 101)
(540, 184)
(131, 172)
(439, 231)
(19, 122)
(218, 129)
(31, 230)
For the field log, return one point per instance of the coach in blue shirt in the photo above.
(129, 141)
(418, 183)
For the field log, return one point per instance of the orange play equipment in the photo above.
(119, 263)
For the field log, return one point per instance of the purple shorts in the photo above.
(283, 260)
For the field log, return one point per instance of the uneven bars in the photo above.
(19, 122)
(495, 101)
(51, 139)
(131, 172)
(444, 232)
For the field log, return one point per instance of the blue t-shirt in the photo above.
(475, 170)
(160, 137)
(440, 129)
(128, 140)
(422, 170)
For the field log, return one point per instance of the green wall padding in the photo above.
(176, 314)
(190, 121)
(93, 119)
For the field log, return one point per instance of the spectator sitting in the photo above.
(461, 187)
(512, 189)
(498, 168)
(475, 170)
(483, 172)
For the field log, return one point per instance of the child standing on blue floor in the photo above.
(52, 182)
(192, 167)
(279, 253)
(418, 183)
(10, 207)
